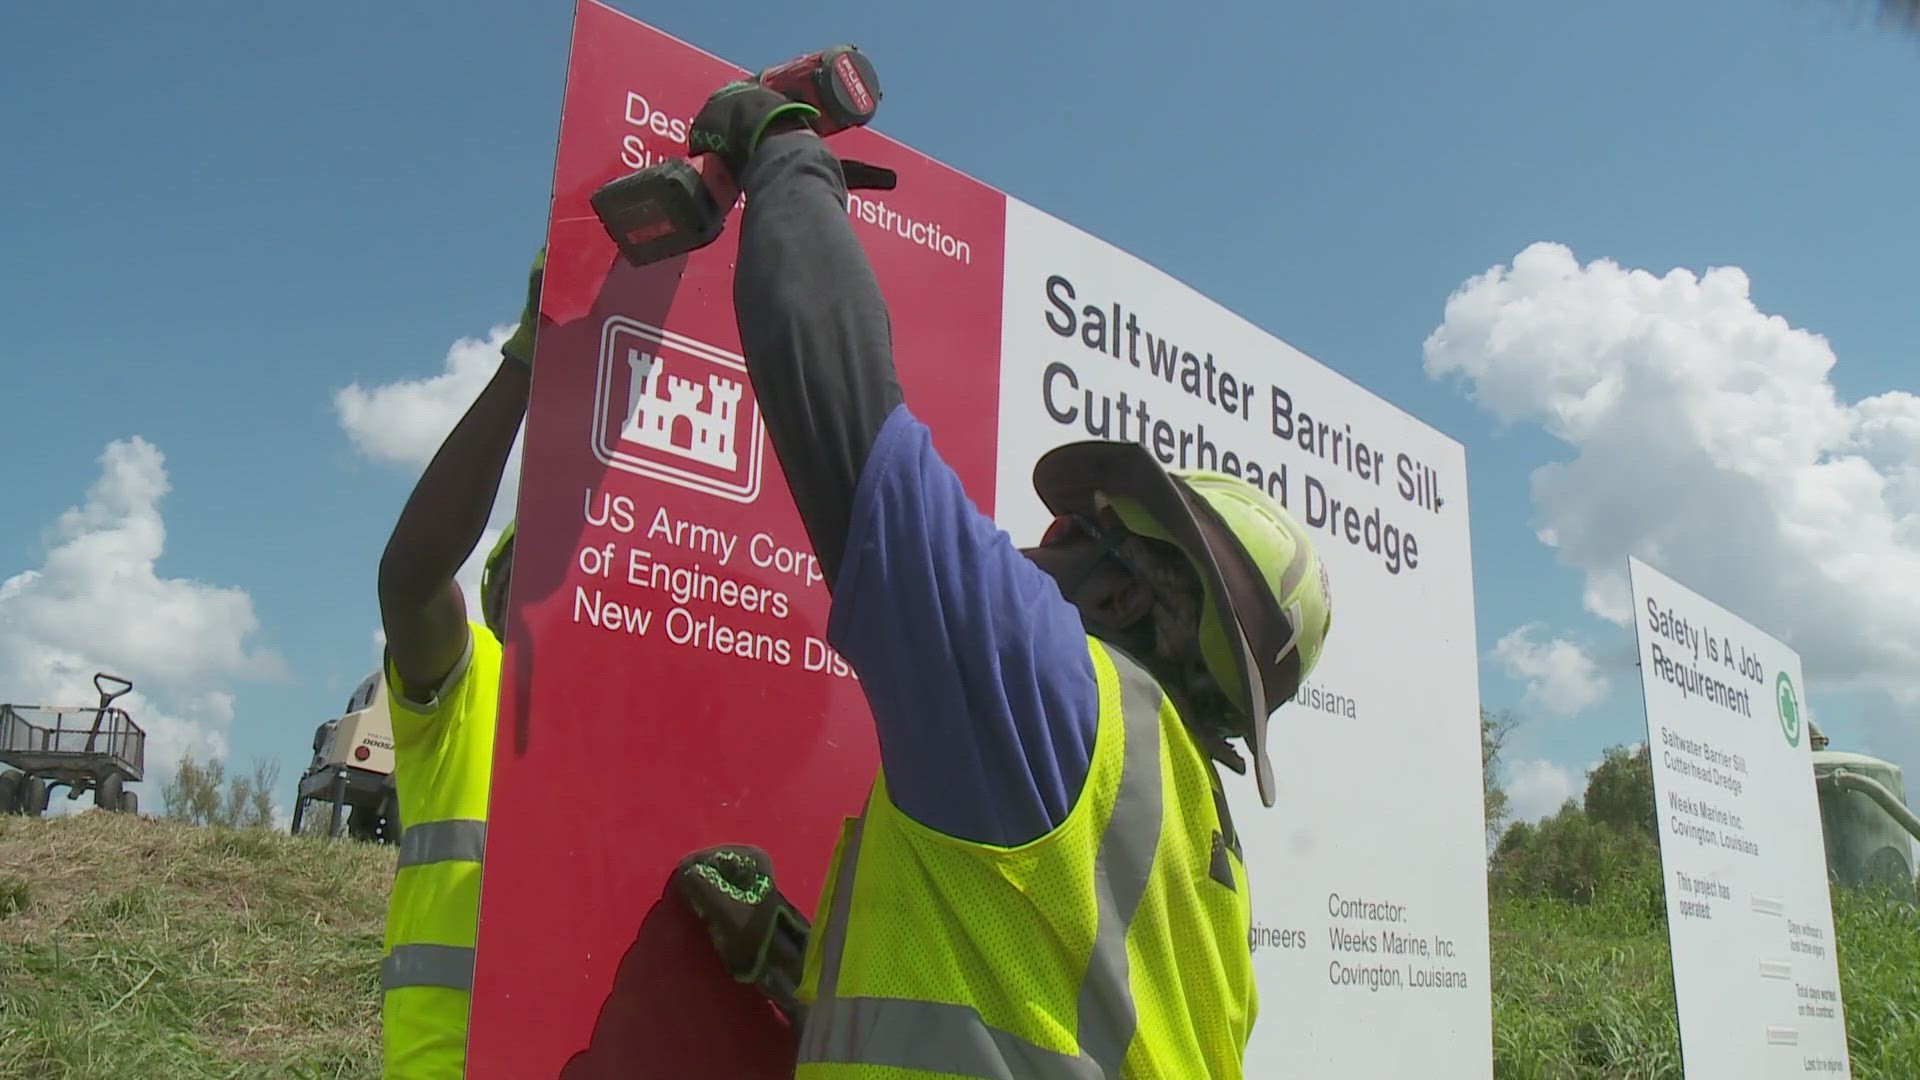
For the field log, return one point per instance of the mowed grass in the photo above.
(138, 947)
(147, 948)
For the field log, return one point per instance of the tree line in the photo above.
(201, 793)
(1605, 841)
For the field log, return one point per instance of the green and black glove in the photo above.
(761, 937)
(519, 347)
(741, 115)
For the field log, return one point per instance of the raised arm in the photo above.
(815, 331)
(421, 608)
(975, 669)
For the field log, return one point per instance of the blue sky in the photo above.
(218, 216)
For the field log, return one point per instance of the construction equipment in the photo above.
(1864, 819)
(95, 748)
(352, 768)
(681, 204)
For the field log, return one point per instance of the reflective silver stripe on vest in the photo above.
(456, 840)
(450, 966)
(954, 1039)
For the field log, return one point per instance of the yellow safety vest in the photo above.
(1116, 946)
(443, 762)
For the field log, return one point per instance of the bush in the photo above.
(194, 795)
(1572, 857)
(1495, 729)
(1609, 847)
(1620, 791)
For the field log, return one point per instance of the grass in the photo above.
(1583, 991)
(1587, 991)
(149, 948)
(141, 947)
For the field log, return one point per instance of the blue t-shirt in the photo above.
(975, 667)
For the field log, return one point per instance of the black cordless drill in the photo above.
(681, 204)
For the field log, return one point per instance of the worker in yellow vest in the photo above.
(1044, 880)
(443, 679)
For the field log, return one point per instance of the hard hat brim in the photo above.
(1070, 479)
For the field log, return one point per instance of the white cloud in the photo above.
(1537, 788)
(1561, 678)
(1709, 441)
(99, 603)
(404, 422)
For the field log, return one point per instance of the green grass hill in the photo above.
(139, 947)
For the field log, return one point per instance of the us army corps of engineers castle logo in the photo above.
(676, 410)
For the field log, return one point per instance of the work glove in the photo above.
(740, 115)
(737, 116)
(761, 938)
(519, 347)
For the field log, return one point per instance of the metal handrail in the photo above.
(124, 739)
(1875, 790)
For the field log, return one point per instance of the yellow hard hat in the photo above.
(1267, 606)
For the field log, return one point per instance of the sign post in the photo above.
(667, 685)
(1748, 908)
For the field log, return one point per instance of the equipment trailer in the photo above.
(87, 748)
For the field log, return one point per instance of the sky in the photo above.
(1647, 261)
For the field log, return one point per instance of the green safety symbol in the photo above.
(1789, 704)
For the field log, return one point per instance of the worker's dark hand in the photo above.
(760, 936)
(519, 347)
(738, 116)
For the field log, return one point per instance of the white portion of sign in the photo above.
(706, 410)
(1748, 910)
(1369, 875)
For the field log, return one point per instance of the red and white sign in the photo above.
(667, 685)
(677, 410)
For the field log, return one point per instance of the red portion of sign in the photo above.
(666, 683)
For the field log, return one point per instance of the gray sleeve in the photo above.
(815, 332)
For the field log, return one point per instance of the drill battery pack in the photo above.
(676, 206)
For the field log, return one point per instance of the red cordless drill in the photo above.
(681, 204)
